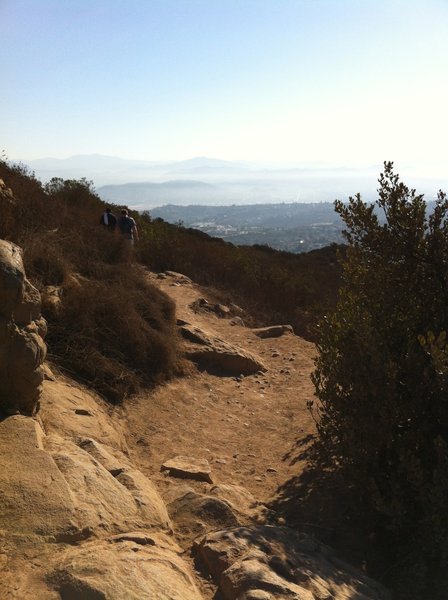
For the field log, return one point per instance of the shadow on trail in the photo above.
(319, 502)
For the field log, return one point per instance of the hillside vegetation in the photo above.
(113, 329)
(382, 377)
(376, 307)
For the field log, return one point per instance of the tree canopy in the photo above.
(381, 373)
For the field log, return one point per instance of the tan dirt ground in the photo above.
(257, 433)
(251, 431)
(246, 429)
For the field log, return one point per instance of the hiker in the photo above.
(128, 226)
(108, 219)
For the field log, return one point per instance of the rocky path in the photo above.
(164, 497)
(245, 426)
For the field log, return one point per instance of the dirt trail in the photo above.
(246, 429)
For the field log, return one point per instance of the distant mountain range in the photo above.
(148, 194)
(209, 181)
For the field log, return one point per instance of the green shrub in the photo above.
(381, 375)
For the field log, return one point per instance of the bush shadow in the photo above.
(319, 502)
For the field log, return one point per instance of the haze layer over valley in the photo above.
(207, 181)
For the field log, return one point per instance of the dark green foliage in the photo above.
(382, 370)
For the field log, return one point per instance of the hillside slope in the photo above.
(88, 513)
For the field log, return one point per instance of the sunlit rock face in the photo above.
(22, 348)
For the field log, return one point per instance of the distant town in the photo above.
(294, 227)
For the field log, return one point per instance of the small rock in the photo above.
(273, 331)
(237, 321)
(189, 468)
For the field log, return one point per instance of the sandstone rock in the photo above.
(138, 537)
(120, 570)
(104, 502)
(150, 504)
(188, 468)
(21, 355)
(222, 310)
(273, 331)
(22, 349)
(29, 307)
(248, 562)
(6, 194)
(48, 373)
(12, 278)
(195, 513)
(63, 411)
(51, 299)
(112, 460)
(240, 499)
(178, 277)
(217, 355)
(34, 495)
(196, 335)
(237, 321)
(203, 305)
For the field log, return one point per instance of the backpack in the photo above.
(126, 225)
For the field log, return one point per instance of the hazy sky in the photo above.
(346, 81)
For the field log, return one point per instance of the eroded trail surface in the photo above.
(169, 496)
(244, 426)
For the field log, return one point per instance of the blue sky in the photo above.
(340, 81)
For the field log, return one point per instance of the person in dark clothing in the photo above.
(108, 219)
(128, 227)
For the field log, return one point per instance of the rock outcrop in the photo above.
(80, 521)
(217, 355)
(22, 348)
(6, 194)
(187, 467)
(146, 567)
(267, 563)
(62, 483)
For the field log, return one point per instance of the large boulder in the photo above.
(218, 356)
(77, 414)
(134, 567)
(12, 278)
(187, 467)
(22, 349)
(35, 498)
(194, 514)
(107, 501)
(49, 486)
(264, 562)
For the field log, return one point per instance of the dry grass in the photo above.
(273, 286)
(114, 330)
(116, 333)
